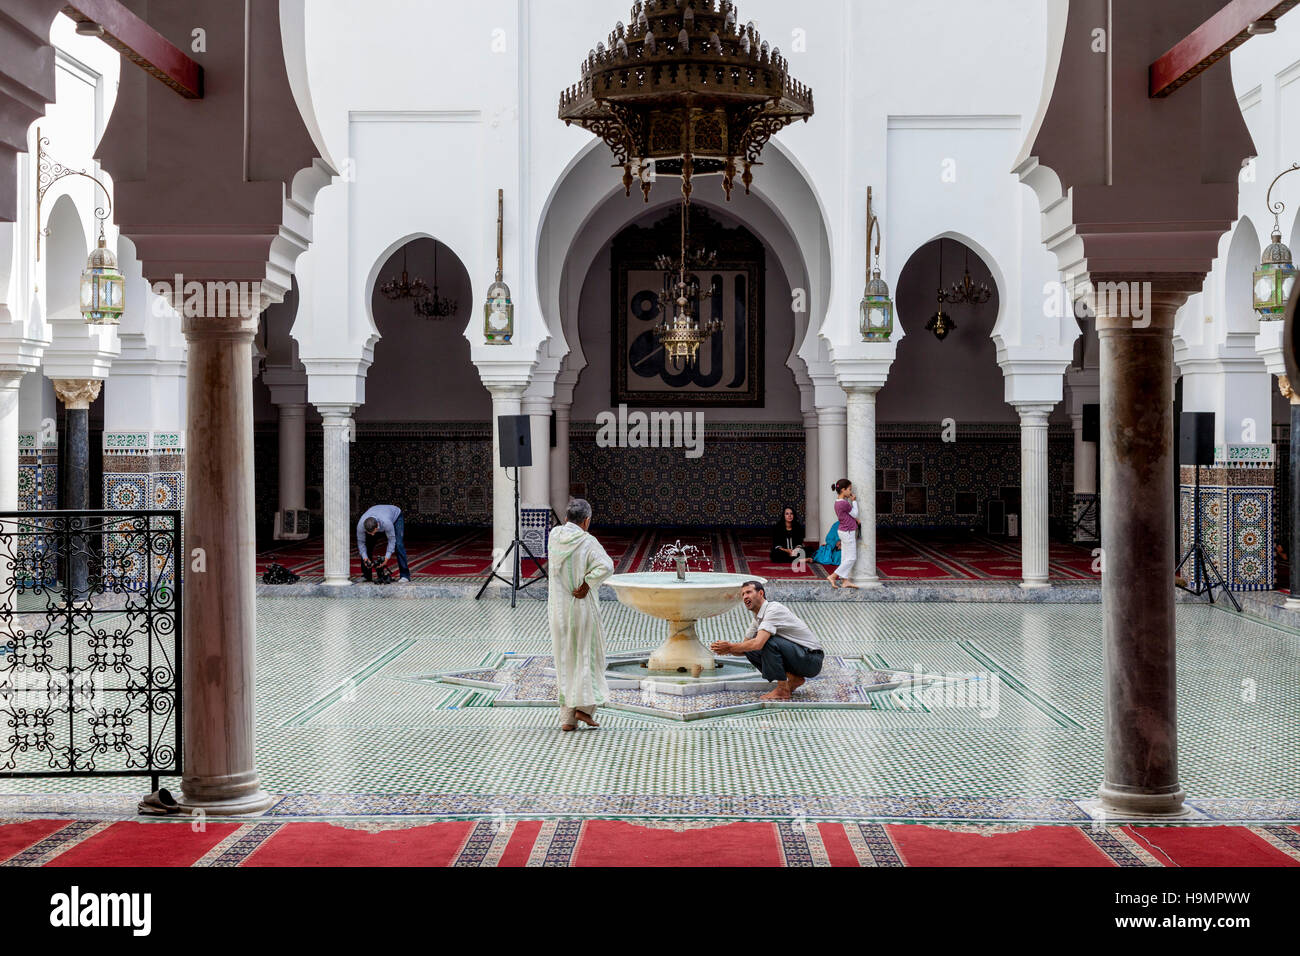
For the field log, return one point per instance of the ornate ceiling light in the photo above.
(405, 287)
(683, 334)
(434, 306)
(685, 91)
(967, 290)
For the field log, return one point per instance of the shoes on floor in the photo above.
(404, 581)
(160, 803)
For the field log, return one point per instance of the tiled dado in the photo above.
(145, 471)
(1237, 526)
(38, 472)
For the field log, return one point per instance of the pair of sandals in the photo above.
(583, 717)
(160, 803)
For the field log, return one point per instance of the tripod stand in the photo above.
(1204, 571)
(517, 548)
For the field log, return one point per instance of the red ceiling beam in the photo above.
(142, 44)
(1212, 41)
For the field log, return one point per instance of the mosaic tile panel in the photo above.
(983, 462)
(1237, 528)
(638, 487)
(143, 479)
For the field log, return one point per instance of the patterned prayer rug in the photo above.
(511, 842)
(459, 554)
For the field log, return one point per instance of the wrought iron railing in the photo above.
(90, 644)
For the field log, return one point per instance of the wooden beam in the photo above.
(143, 45)
(1211, 41)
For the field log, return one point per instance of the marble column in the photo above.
(832, 462)
(1292, 534)
(505, 401)
(812, 476)
(1085, 482)
(1137, 511)
(860, 414)
(560, 460)
(535, 491)
(293, 457)
(1033, 493)
(220, 612)
(76, 395)
(10, 382)
(337, 492)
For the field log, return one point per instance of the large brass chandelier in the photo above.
(685, 91)
(680, 331)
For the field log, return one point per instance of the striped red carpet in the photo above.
(901, 556)
(509, 843)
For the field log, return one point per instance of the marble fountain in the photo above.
(681, 597)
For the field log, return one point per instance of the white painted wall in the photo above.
(429, 107)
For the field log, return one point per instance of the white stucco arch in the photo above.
(566, 244)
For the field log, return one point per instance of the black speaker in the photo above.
(516, 441)
(1196, 438)
(1092, 423)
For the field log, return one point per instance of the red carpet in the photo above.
(403, 842)
(900, 556)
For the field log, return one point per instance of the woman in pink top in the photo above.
(846, 509)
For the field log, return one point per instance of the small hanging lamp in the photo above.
(1275, 277)
(103, 289)
(877, 307)
(941, 323)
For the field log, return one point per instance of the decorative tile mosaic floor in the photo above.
(346, 725)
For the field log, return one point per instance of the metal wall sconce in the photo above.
(103, 288)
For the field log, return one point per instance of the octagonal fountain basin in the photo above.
(681, 603)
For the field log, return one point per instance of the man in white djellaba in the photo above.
(576, 565)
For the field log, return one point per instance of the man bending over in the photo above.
(778, 643)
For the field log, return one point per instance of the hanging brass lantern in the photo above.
(877, 307)
(103, 289)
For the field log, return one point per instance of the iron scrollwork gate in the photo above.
(90, 644)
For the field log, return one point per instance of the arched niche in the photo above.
(63, 254)
(959, 377)
(422, 370)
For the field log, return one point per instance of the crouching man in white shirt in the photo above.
(778, 643)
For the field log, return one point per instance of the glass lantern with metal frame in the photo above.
(103, 288)
(1275, 278)
(877, 308)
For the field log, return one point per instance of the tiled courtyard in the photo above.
(347, 725)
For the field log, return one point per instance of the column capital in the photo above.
(535, 406)
(832, 415)
(506, 391)
(1034, 413)
(11, 376)
(77, 392)
(336, 413)
(237, 327)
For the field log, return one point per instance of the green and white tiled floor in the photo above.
(340, 711)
